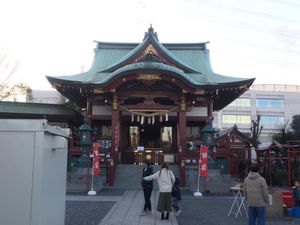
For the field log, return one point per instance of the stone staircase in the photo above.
(129, 176)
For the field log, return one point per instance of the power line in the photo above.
(239, 24)
(246, 11)
(279, 63)
(286, 3)
(269, 48)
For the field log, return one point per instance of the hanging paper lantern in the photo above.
(132, 117)
(138, 118)
(160, 118)
(153, 119)
(149, 120)
(142, 120)
(167, 117)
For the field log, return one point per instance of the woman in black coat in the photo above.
(147, 186)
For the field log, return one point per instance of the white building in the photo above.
(276, 104)
(45, 96)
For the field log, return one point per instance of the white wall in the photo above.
(33, 173)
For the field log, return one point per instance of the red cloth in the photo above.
(287, 198)
(96, 159)
(204, 161)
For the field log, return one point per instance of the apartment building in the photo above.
(276, 104)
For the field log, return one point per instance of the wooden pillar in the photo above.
(182, 132)
(115, 128)
(210, 110)
(270, 166)
(89, 112)
(115, 133)
(182, 139)
(124, 137)
(290, 155)
(229, 154)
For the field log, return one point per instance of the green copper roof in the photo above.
(105, 57)
(190, 62)
(150, 66)
(52, 112)
(150, 38)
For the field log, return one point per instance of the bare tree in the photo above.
(7, 69)
(8, 89)
(255, 129)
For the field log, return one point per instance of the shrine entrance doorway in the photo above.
(149, 142)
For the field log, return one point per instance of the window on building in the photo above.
(166, 137)
(192, 132)
(241, 102)
(236, 119)
(105, 131)
(271, 120)
(269, 103)
(134, 134)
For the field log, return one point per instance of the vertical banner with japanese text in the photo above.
(96, 159)
(116, 135)
(204, 161)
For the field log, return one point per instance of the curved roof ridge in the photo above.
(150, 38)
(148, 65)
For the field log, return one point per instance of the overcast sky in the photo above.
(257, 38)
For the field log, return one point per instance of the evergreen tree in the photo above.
(295, 127)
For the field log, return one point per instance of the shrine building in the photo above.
(149, 99)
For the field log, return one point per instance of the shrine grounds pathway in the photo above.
(123, 207)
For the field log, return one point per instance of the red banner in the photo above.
(96, 159)
(203, 161)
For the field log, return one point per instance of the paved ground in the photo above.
(214, 211)
(123, 207)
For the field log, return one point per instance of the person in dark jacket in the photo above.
(176, 196)
(296, 193)
(147, 186)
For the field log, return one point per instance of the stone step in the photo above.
(129, 176)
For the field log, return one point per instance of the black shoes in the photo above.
(167, 216)
(163, 217)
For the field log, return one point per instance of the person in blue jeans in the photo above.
(257, 196)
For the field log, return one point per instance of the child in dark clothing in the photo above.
(296, 193)
(176, 196)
